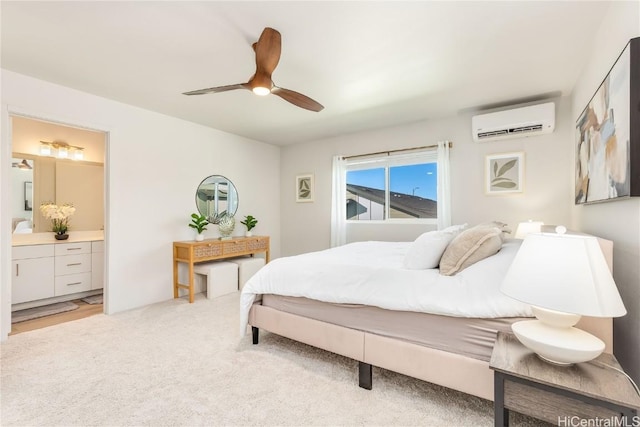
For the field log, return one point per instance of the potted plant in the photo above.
(59, 216)
(249, 222)
(199, 223)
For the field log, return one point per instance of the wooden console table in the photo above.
(191, 252)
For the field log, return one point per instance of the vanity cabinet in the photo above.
(46, 273)
(32, 270)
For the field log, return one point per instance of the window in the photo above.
(401, 187)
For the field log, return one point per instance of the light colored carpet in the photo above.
(93, 299)
(45, 310)
(181, 364)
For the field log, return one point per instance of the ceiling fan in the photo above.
(267, 50)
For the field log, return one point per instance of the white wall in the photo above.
(154, 164)
(305, 226)
(618, 220)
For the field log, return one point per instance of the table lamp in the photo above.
(528, 227)
(563, 277)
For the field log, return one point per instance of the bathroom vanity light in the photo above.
(61, 150)
(46, 149)
(78, 153)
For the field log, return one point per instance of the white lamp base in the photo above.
(558, 345)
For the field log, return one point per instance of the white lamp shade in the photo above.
(528, 227)
(567, 273)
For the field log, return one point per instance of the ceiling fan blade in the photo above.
(297, 99)
(218, 89)
(268, 49)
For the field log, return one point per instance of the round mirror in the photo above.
(216, 196)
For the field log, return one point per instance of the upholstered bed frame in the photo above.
(450, 370)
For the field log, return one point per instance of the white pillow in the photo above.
(427, 249)
(456, 228)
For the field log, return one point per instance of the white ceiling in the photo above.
(371, 64)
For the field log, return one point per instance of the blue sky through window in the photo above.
(419, 180)
(372, 178)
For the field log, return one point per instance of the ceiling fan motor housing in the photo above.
(261, 81)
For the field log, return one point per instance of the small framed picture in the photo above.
(504, 173)
(28, 196)
(304, 188)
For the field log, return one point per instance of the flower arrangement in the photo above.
(59, 215)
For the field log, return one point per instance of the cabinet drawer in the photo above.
(72, 283)
(204, 250)
(257, 243)
(73, 264)
(73, 248)
(97, 246)
(32, 251)
(234, 247)
(553, 406)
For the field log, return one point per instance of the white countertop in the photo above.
(48, 238)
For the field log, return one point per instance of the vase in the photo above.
(226, 225)
(248, 234)
(199, 237)
(61, 236)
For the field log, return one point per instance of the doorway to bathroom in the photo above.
(57, 179)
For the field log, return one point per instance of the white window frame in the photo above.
(386, 162)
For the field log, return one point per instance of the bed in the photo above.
(359, 301)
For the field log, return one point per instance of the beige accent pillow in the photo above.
(469, 247)
(501, 225)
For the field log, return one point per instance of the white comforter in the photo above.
(371, 273)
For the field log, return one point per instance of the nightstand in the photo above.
(561, 395)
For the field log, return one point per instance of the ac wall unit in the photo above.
(525, 121)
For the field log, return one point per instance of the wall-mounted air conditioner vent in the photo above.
(518, 122)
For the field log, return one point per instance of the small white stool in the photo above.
(247, 267)
(221, 277)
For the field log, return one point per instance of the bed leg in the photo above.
(254, 333)
(366, 376)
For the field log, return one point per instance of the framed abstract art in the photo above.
(608, 134)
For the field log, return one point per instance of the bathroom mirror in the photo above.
(215, 197)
